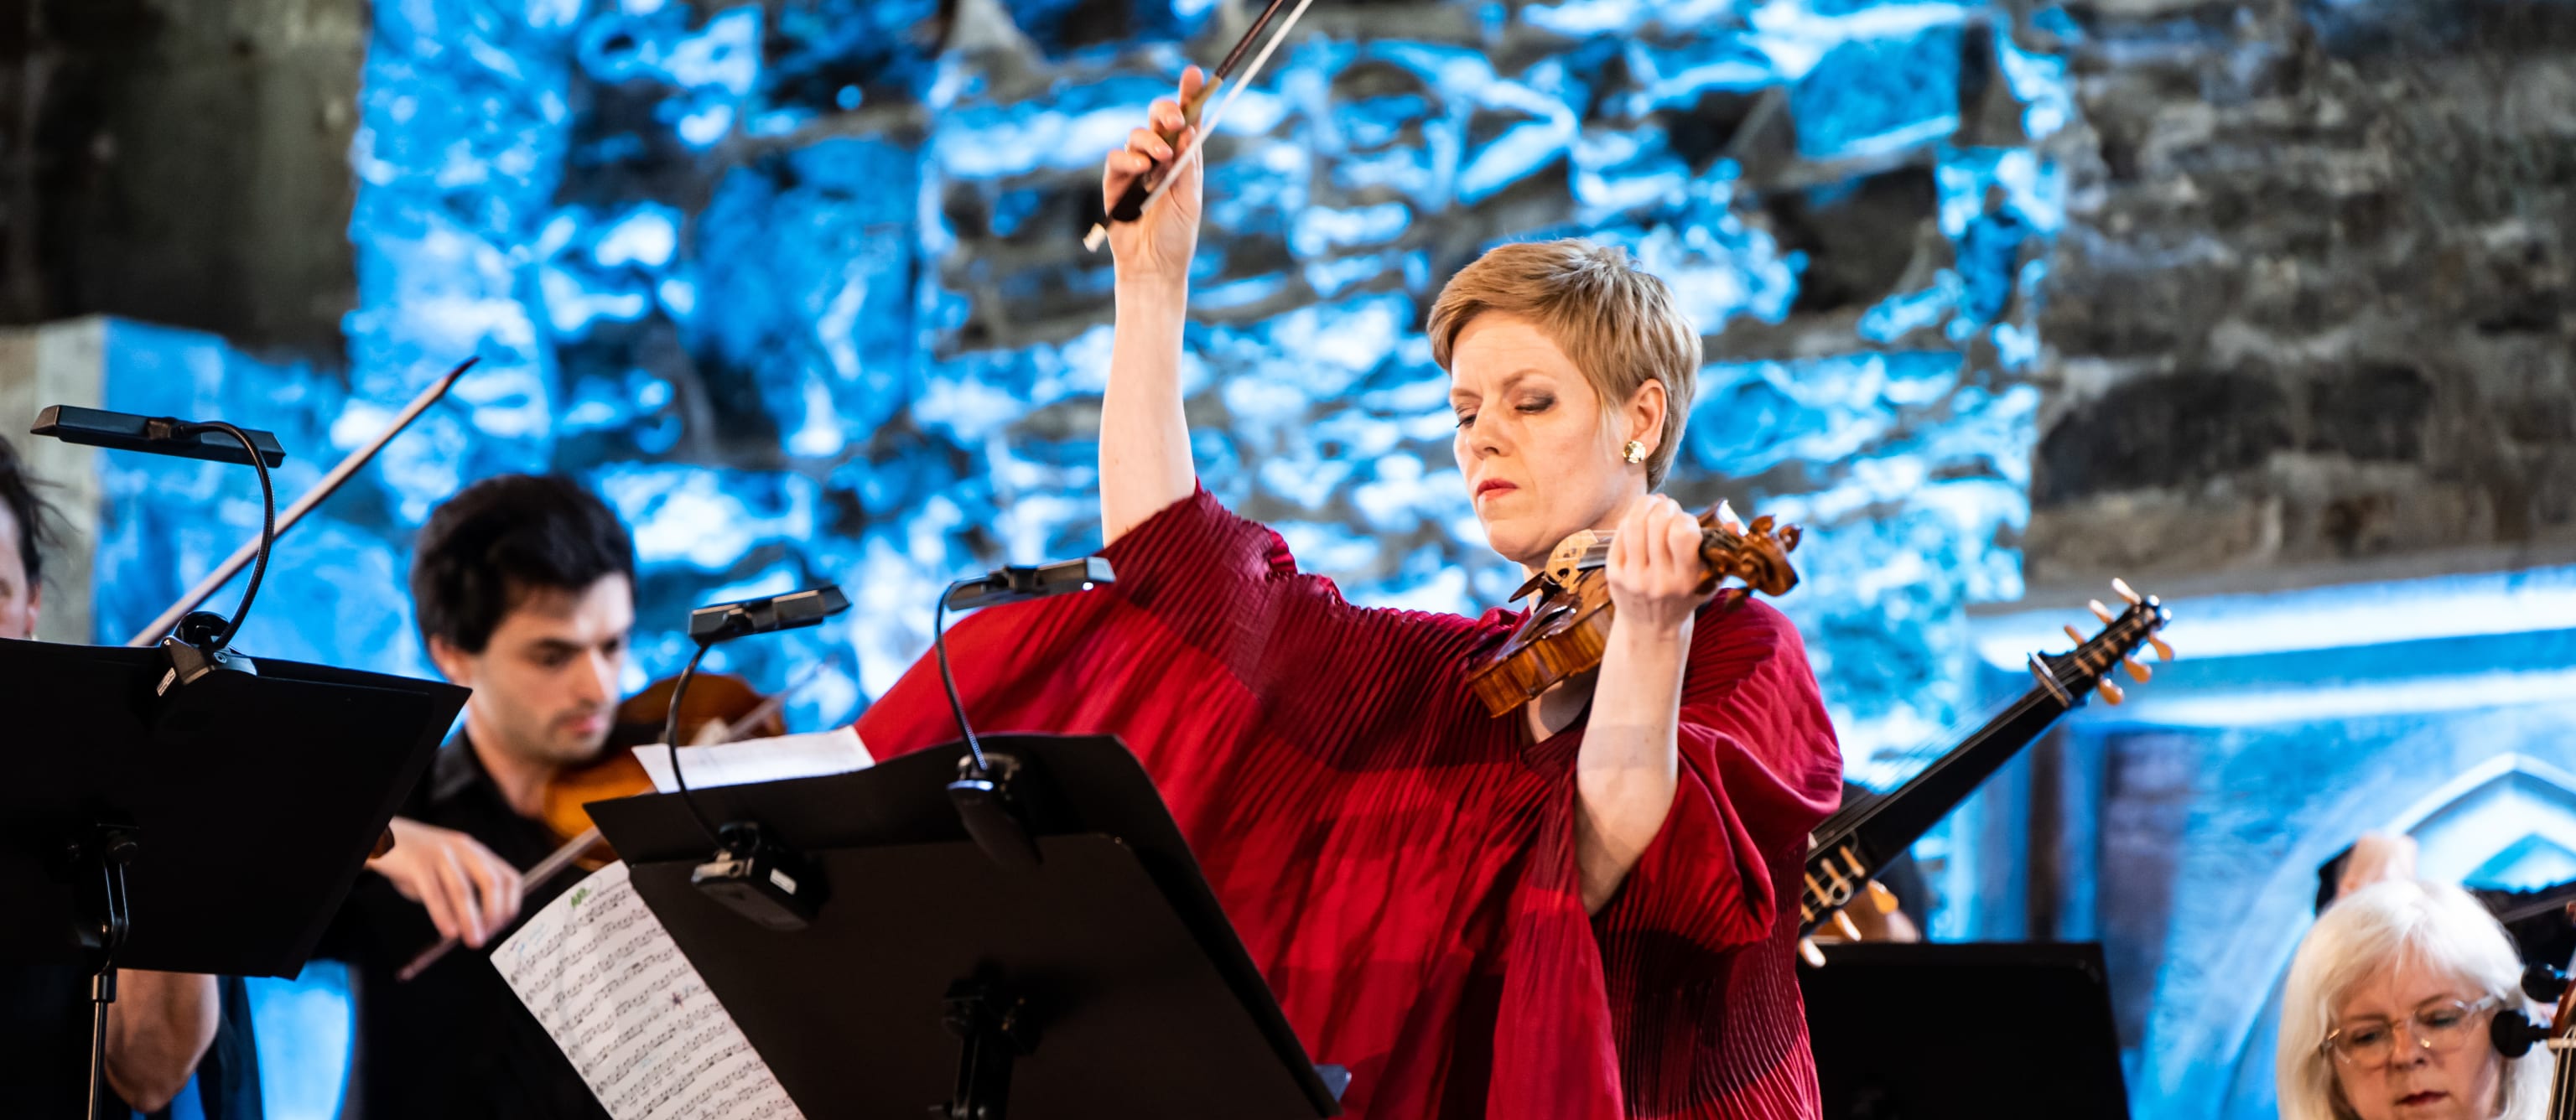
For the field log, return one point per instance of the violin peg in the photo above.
(2137, 671)
(2122, 586)
(2110, 692)
(2164, 652)
(1091, 241)
(1808, 952)
(1882, 897)
(2100, 611)
(2074, 633)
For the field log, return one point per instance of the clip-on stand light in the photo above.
(982, 792)
(202, 664)
(758, 879)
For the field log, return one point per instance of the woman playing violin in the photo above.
(1581, 908)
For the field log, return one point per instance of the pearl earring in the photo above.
(1634, 452)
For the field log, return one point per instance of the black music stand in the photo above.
(1996, 1031)
(1104, 982)
(219, 843)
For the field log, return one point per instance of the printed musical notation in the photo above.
(607, 983)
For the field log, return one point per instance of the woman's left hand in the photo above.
(1654, 568)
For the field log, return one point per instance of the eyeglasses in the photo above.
(2438, 1027)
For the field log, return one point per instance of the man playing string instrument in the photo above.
(1580, 909)
(524, 588)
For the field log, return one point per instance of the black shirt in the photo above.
(454, 1043)
(44, 1052)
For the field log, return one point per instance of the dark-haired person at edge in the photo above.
(1578, 910)
(177, 1044)
(524, 590)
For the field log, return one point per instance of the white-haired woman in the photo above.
(2388, 1008)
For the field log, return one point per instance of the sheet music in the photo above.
(609, 985)
(810, 755)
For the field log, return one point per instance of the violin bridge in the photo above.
(1586, 549)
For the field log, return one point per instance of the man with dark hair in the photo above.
(524, 588)
(173, 1039)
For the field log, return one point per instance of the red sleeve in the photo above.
(1219, 581)
(1219, 584)
(1759, 769)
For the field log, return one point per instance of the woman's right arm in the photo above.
(1144, 437)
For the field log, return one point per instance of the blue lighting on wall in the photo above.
(794, 285)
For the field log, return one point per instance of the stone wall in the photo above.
(2313, 303)
(799, 285)
(2309, 323)
(181, 162)
(2176, 291)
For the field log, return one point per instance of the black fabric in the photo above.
(44, 1052)
(2548, 937)
(454, 1043)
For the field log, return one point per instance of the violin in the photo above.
(718, 709)
(1569, 627)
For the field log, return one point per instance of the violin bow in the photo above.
(330, 483)
(1132, 205)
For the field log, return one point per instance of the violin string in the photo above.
(1210, 119)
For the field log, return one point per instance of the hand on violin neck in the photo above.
(1156, 248)
(1654, 568)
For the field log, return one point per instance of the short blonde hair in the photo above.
(2434, 925)
(1620, 326)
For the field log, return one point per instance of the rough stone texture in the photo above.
(2313, 300)
(799, 285)
(796, 284)
(181, 162)
(2309, 321)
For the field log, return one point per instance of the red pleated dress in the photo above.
(1401, 864)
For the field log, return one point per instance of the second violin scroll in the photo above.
(1568, 628)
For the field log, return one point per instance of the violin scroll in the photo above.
(1758, 555)
(1568, 628)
